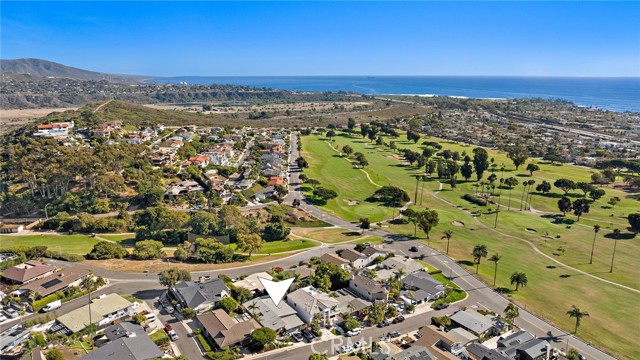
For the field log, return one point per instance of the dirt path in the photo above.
(101, 105)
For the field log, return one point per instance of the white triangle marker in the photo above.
(276, 290)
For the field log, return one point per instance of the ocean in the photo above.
(616, 94)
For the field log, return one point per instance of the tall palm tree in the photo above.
(495, 258)
(525, 184)
(596, 228)
(400, 273)
(519, 278)
(616, 234)
(447, 235)
(529, 195)
(479, 251)
(575, 312)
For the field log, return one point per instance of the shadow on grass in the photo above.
(551, 266)
(352, 233)
(504, 290)
(466, 262)
(564, 276)
(622, 236)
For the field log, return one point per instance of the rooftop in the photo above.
(56, 281)
(27, 271)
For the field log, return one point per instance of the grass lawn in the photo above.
(73, 244)
(611, 324)
(118, 237)
(274, 247)
(336, 235)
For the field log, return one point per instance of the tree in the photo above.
(573, 354)
(364, 224)
(347, 150)
(148, 250)
(596, 193)
(578, 314)
(511, 312)
(517, 154)
(250, 242)
(580, 206)
(616, 235)
(188, 313)
(302, 162)
(337, 277)
(324, 194)
(565, 185)
(480, 161)
(351, 123)
(350, 324)
(584, 187)
(466, 170)
(391, 196)
(171, 277)
(295, 203)
(510, 182)
(427, 220)
(54, 354)
(319, 356)
(634, 222)
(495, 258)
(519, 278)
(479, 252)
(447, 234)
(242, 295)
(596, 228)
(261, 337)
(544, 187)
(206, 223)
(107, 250)
(531, 168)
(228, 304)
(274, 231)
(564, 205)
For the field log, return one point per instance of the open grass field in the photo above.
(73, 244)
(552, 288)
(119, 237)
(335, 235)
(274, 247)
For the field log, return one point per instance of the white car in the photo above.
(2, 318)
(346, 349)
(354, 332)
(360, 344)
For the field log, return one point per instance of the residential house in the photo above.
(407, 265)
(27, 272)
(413, 353)
(200, 160)
(369, 289)
(275, 180)
(58, 281)
(423, 286)
(160, 158)
(356, 259)
(54, 129)
(282, 318)
(335, 259)
(125, 341)
(350, 303)
(12, 337)
(478, 324)
(372, 253)
(302, 272)
(102, 311)
(200, 296)
(266, 193)
(309, 301)
(252, 282)
(185, 187)
(224, 331)
(441, 343)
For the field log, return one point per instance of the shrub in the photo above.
(262, 336)
(148, 250)
(203, 342)
(188, 313)
(474, 199)
(228, 304)
(160, 337)
(64, 256)
(107, 250)
(54, 354)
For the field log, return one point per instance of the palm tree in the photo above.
(447, 234)
(495, 258)
(479, 251)
(400, 273)
(575, 312)
(519, 278)
(252, 308)
(529, 195)
(616, 234)
(511, 312)
(596, 228)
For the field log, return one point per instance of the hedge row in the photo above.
(474, 199)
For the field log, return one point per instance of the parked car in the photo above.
(169, 309)
(393, 334)
(297, 337)
(2, 318)
(360, 344)
(398, 320)
(413, 249)
(441, 306)
(52, 306)
(151, 317)
(172, 333)
(354, 332)
(11, 313)
(309, 335)
(346, 349)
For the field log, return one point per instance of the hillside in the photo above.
(44, 68)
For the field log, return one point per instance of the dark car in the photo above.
(398, 320)
(441, 306)
(413, 249)
(393, 334)
(309, 335)
(384, 323)
(297, 337)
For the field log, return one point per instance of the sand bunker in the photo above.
(352, 202)
(457, 223)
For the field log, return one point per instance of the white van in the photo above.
(52, 306)
(151, 317)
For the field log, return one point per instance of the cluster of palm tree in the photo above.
(480, 251)
(616, 235)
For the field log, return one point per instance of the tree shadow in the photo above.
(351, 233)
(551, 266)
(622, 236)
(565, 276)
(504, 290)
(466, 262)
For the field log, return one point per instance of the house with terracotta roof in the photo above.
(223, 331)
(54, 129)
(200, 160)
(27, 272)
(276, 180)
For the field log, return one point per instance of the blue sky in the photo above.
(329, 38)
